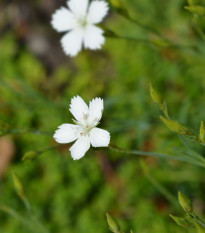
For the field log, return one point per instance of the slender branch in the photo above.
(158, 155)
(23, 131)
(160, 42)
(169, 196)
(122, 11)
(16, 215)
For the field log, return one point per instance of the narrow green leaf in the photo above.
(199, 10)
(156, 97)
(182, 222)
(18, 186)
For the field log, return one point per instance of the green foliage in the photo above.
(190, 219)
(199, 10)
(156, 42)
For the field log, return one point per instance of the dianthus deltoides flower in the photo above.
(84, 131)
(79, 23)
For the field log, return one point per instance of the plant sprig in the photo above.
(174, 125)
(190, 218)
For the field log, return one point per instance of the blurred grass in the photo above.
(36, 87)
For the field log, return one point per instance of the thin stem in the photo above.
(49, 148)
(146, 27)
(143, 40)
(34, 218)
(165, 42)
(201, 222)
(158, 186)
(16, 215)
(194, 154)
(33, 154)
(158, 155)
(23, 131)
(124, 13)
(199, 157)
(197, 28)
(196, 218)
(24, 220)
(37, 222)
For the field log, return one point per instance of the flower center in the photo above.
(85, 125)
(88, 128)
(83, 22)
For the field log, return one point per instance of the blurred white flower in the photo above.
(79, 22)
(84, 130)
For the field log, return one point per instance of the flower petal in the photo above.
(80, 147)
(99, 137)
(66, 133)
(78, 7)
(63, 20)
(72, 42)
(97, 11)
(95, 111)
(93, 38)
(79, 109)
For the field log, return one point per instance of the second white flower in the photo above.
(79, 23)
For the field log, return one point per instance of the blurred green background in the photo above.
(37, 82)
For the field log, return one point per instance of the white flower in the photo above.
(84, 130)
(79, 22)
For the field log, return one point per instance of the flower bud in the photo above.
(18, 186)
(202, 132)
(184, 202)
(113, 224)
(30, 155)
(175, 126)
(116, 3)
(155, 95)
(190, 2)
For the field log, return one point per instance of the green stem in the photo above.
(143, 40)
(197, 28)
(24, 220)
(37, 222)
(196, 218)
(146, 27)
(158, 186)
(49, 148)
(33, 217)
(16, 215)
(158, 155)
(125, 14)
(22, 131)
(162, 43)
(201, 222)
